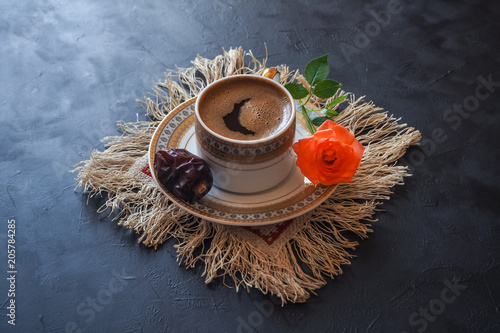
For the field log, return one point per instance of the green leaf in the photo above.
(331, 113)
(296, 90)
(320, 120)
(336, 101)
(317, 70)
(326, 88)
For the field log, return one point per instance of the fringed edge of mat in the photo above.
(319, 241)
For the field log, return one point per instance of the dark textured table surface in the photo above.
(70, 70)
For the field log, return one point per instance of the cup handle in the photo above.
(272, 74)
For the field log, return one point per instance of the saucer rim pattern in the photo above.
(169, 134)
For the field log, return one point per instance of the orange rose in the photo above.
(330, 156)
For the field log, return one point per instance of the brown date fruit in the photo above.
(183, 174)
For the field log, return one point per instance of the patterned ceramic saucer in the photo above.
(291, 198)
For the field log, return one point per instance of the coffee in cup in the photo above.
(245, 108)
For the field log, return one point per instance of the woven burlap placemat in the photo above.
(289, 259)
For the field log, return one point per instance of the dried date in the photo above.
(183, 174)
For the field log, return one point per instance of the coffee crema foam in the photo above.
(244, 108)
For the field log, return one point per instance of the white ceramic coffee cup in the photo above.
(247, 166)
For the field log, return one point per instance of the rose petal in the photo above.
(341, 133)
